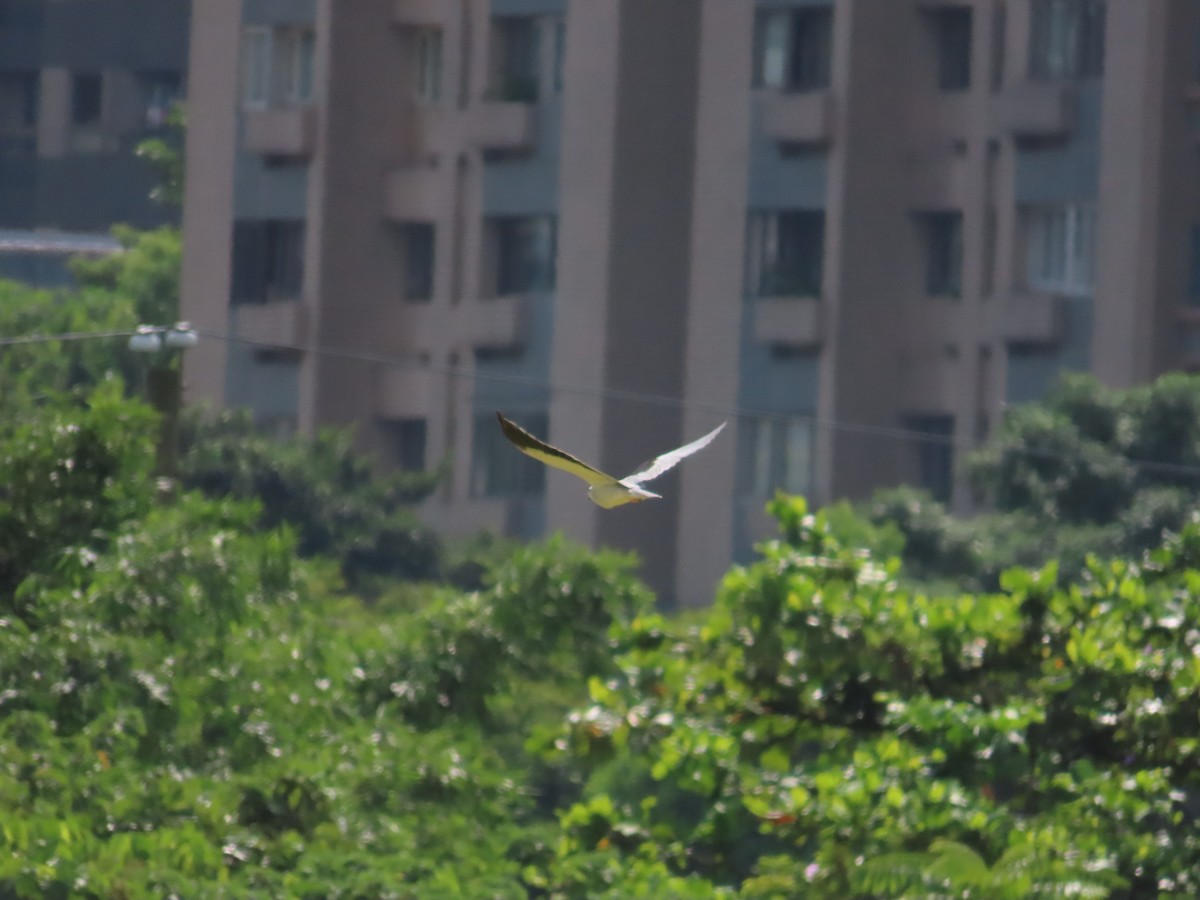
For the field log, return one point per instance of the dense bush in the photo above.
(827, 732)
(186, 708)
(321, 488)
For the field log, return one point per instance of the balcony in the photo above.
(1034, 109)
(404, 393)
(496, 324)
(930, 380)
(798, 118)
(274, 325)
(937, 182)
(422, 13)
(287, 131)
(1030, 318)
(499, 125)
(413, 194)
(788, 321)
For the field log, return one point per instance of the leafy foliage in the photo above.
(187, 707)
(322, 489)
(825, 716)
(145, 274)
(1090, 470)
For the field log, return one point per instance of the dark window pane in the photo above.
(285, 259)
(248, 278)
(785, 253)
(1066, 39)
(943, 264)
(418, 249)
(954, 48)
(525, 250)
(520, 56)
(1194, 268)
(268, 261)
(404, 443)
(811, 49)
(935, 454)
(86, 97)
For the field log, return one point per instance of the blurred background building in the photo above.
(866, 225)
(82, 82)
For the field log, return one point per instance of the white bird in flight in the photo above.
(603, 490)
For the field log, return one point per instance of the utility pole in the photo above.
(164, 390)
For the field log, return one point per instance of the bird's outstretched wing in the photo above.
(551, 456)
(661, 464)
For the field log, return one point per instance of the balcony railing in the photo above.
(289, 131)
(1036, 109)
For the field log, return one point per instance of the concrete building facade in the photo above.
(82, 82)
(856, 228)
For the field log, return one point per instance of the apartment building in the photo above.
(82, 82)
(864, 225)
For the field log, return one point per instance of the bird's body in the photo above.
(603, 490)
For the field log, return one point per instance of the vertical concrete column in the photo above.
(708, 481)
(54, 113)
(584, 212)
(867, 208)
(649, 246)
(208, 192)
(1134, 227)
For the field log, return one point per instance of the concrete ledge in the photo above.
(1030, 318)
(422, 13)
(498, 323)
(1035, 109)
(496, 125)
(937, 183)
(788, 321)
(403, 393)
(279, 324)
(798, 118)
(289, 131)
(413, 194)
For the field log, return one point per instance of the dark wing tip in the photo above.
(514, 432)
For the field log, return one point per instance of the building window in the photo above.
(780, 456)
(558, 33)
(417, 248)
(297, 52)
(1060, 247)
(87, 93)
(427, 44)
(1193, 294)
(256, 66)
(991, 230)
(268, 260)
(943, 253)
(1066, 39)
(935, 454)
(278, 66)
(497, 468)
(18, 101)
(404, 443)
(518, 69)
(525, 251)
(794, 49)
(952, 30)
(784, 253)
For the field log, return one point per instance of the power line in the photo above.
(65, 336)
(738, 412)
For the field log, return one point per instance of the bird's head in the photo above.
(637, 495)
